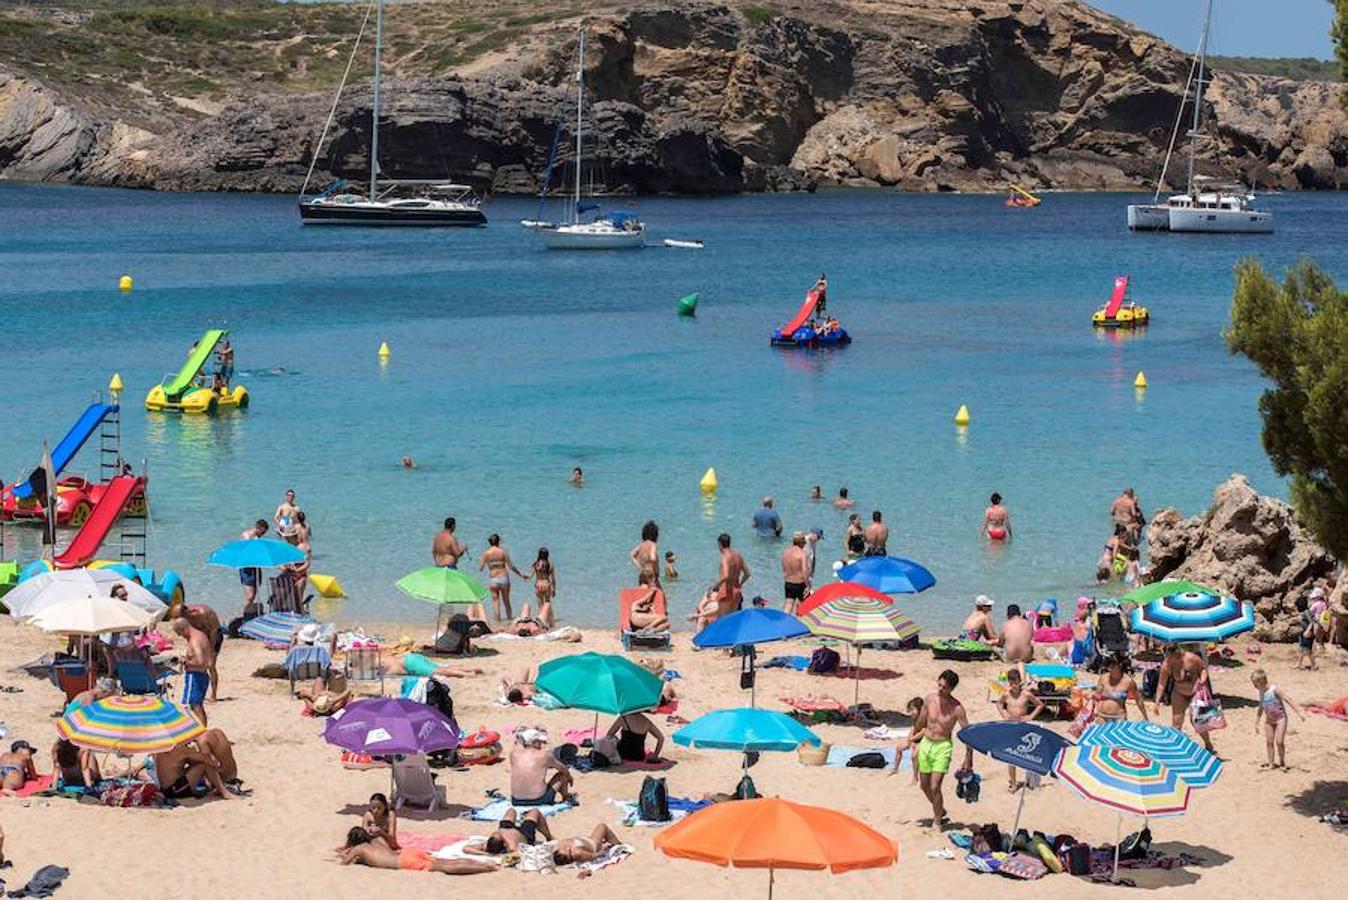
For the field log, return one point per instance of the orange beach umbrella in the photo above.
(769, 833)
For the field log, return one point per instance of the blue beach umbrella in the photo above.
(750, 626)
(1021, 744)
(258, 553)
(275, 628)
(1193, 617)
(1169, 746)
(888, 574)
(745, 729)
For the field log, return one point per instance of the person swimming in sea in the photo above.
(996, 520)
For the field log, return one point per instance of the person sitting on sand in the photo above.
(530, 763)
(381, 822)
(359, 849)
(978, 625)
(643, 615)
(325, 696)
(512, 831)
(181, 771)
(74, 766)
(16, 766)
(706, 611)
(421, 666)
(631, 731)
(583, 849)
(1017, 637)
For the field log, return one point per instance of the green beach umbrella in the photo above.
(593, 681)
(435, 584)
(1159, 589)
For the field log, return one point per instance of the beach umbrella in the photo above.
(437, 584)
(1193, 617)
(888, 574)
(768, 833)
(859, 621)
(255, 553)
(1021, 744)
(92, 615)
(1159, 589)
(594, 681)
(746, 730)
(750, 626)
(1127, 781)
(275, 628)
(50, 589)
(129, 724)
(388, 726)
(1171, 747)
(840, 590)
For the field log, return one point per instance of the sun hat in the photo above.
(983, 600)
(309, 633)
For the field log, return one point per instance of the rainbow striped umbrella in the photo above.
(1192, 617)
(859, 620)
(1168, 746)
(129, 724)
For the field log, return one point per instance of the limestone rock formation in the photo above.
(1245, 543)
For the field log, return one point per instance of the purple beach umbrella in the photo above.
(384, 726)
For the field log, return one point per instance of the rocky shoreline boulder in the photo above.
(1245, 543)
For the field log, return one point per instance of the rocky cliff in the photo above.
(697, 97)
(1248, 544)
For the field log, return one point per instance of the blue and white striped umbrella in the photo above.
(1170, 747)
(1193, 617)
(276, 628)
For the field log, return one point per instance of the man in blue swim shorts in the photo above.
(197, 662)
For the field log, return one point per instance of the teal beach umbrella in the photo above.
(593, 681)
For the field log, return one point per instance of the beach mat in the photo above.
(495, 811)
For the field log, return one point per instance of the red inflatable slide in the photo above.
(1116, 299)
(805, 311)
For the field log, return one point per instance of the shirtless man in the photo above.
(1185, 670)
(513, 830)
(842, 501)
(530, 762)
(1017, 637)
(197, 663)
(16, 766)
(577, 478)
(577, 850)
(795, 573)
(996, 520)
(204, 619)
(1017, 705)
(446, 549)
(180, 771)
(734, 573)
(224, 354)
(361, 850)
(978, 625)
(877, 536)
(249, 578)
(941, 712)
(284, 517)
(496, 560)
(1126, 512)
(645, 556)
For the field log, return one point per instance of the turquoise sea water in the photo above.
(510, 364)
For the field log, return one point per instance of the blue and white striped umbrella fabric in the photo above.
(276, 628)
(1193, 617)
(1169, 746)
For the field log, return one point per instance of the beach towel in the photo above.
(44, 882)
(32, 786)
(428, 843)
(1335, 710)
(885, 733)
(577, 736)
(795, 663)
(562, 633)
(632, 814)
(811, 703)
(1102, 861)
(609, 856)
(495, 810)
(838, 756)
(456, 850)
(666, 709)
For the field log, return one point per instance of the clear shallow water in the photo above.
(511, 364)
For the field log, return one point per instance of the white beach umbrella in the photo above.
(92, 615)
(52, 589)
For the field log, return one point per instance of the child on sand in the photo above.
(1273, 705)
(913, 708)
(1017, 705)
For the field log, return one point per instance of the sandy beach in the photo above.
(1256, 830)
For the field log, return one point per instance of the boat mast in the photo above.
(1198, 96)
(374, 106)
(580, 108)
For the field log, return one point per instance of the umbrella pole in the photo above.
(1020, 807)
(1118, 836)
(856, 682)
(770, 880)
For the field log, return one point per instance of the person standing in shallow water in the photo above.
(496, 560)
(645, 556)
(996, 520)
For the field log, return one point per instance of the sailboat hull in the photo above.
(581, 238)
(381, 214)
(1222, 221)
(1148, 217)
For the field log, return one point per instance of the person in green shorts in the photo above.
(940, 714)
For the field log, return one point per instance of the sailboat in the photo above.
(611, 231)
(424, 202)
(1207, 204)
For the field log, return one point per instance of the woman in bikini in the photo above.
(1114, 691)
(1185, 671)
(74, 766)
(545, 587)
(496, 560)
(381, 822)
(996, 521)
(856, 538)
(583, 849)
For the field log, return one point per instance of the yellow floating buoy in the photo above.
(1140, 382)
(327, 585)
(125, 284)
(962, 416)
(708, 482)
(384, 351)
(115, 385)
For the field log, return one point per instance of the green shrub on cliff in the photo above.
(1296, 332)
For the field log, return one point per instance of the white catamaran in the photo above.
(1207, 204)
(610, 231)
(424, 202)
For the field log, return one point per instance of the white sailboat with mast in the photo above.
(610, 231)
(1207, 204)
(423, 202)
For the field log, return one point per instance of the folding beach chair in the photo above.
(73, 678)
(635, 637)
(305, 662)
(414, 785)
(285, 595)
(364, 664)
(138, 676)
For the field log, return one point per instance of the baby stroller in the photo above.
(1110, 638)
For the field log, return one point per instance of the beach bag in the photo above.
(813, 756)
(987, 839)
(1076, 859)
(128, 795)
(653, 801)
(1135, 845)
(537, 858)
(1205, 711)
(823, 661)
(1023, 866)
(871, 760)
(745, 790)
(1083, 718)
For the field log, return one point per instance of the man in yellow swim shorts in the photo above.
(937, 720)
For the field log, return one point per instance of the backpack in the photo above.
(745, 790)
(987, 839)
(1076, 859)
(823, 660)
(1135, 845)
(870, 760)
(653, 801)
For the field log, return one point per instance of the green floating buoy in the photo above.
(688, 304)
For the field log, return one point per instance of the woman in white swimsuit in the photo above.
(496, 560)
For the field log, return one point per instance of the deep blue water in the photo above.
(510, 364)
